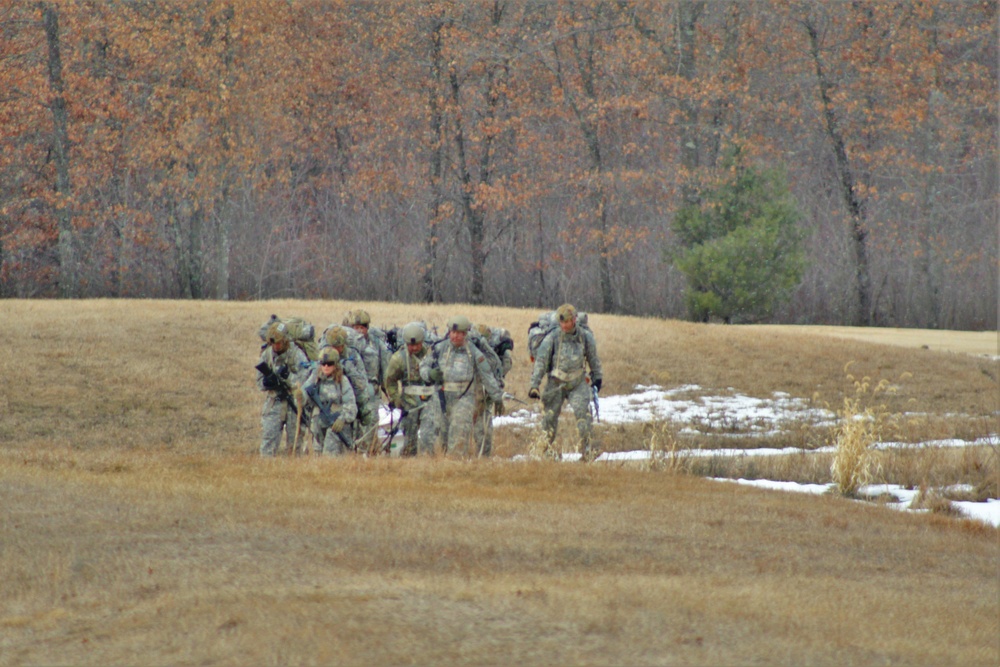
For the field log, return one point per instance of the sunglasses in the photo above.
(328, 363)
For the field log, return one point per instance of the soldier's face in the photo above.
(280, 346)
(456, 337)
(568, 325)
(413, 348)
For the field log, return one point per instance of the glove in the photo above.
(499, 409)
(398, 403)
(338, 425)
(283, 372)
(597, 385)
(533, 393)
(298, 396)
(270, 382)
(436, 375)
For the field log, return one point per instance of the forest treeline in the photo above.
(519, 153)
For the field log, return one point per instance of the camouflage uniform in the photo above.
(407, 391)
(485, 406)
(564, 358)
(353, 366)
(332, 393)
(375, 353)
(279, 411)
(461, 373)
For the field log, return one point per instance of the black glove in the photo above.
(597, 385)
(270, 382)
(533, 393)
(283, 372)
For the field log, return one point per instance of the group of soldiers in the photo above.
(442, 393)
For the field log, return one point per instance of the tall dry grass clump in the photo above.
(862, 424)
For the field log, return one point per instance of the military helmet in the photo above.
(484, 330)
(412, 333)
(356, 317)
(459, 323)
(566, 312)
(277, 333)
(329, 356)
(336, 337)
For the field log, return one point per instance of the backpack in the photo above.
(501, 341)
(546, 324)
(483, 345)
(301, 332)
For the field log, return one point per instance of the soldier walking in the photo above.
(327, 394)
(564, 356)
(498, 339)
(281, 370)
(375, 353)
(353, 366)
(460, 372)
(408, 393)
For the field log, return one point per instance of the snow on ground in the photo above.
(739, 415)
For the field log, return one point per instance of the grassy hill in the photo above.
(140, 526)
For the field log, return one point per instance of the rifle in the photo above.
(326, 418)
(275, 380)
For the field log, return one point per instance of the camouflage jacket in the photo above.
(402, 378)
(294, 359)
(334, 395)
(565, 357)
(460, 369)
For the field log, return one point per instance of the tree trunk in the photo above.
(848, 187)
(68, 277)
(690, 149)
(429, 287)
(473, 215)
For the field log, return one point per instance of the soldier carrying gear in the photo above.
(460, 372)
(280, 372)
(330, 399)
(347, 344)
(563, 357)
(496, 344)
(409, 393)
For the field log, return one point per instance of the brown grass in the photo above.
(139, 526)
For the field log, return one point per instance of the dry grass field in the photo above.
(140, 527)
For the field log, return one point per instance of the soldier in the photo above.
(353, 366)
(563, 356)
(375, 353)
(328, 395)
(282, 368)
(500, 342)
(375, 350)
(410, 394)
(461, 372)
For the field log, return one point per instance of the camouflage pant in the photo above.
(326, 441)
(457, 424)
(277, 416)
(578, 396)
(420, 428)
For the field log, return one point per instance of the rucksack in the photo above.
(501, 341)
(301, 332)
(543, 326)
(483, 345)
